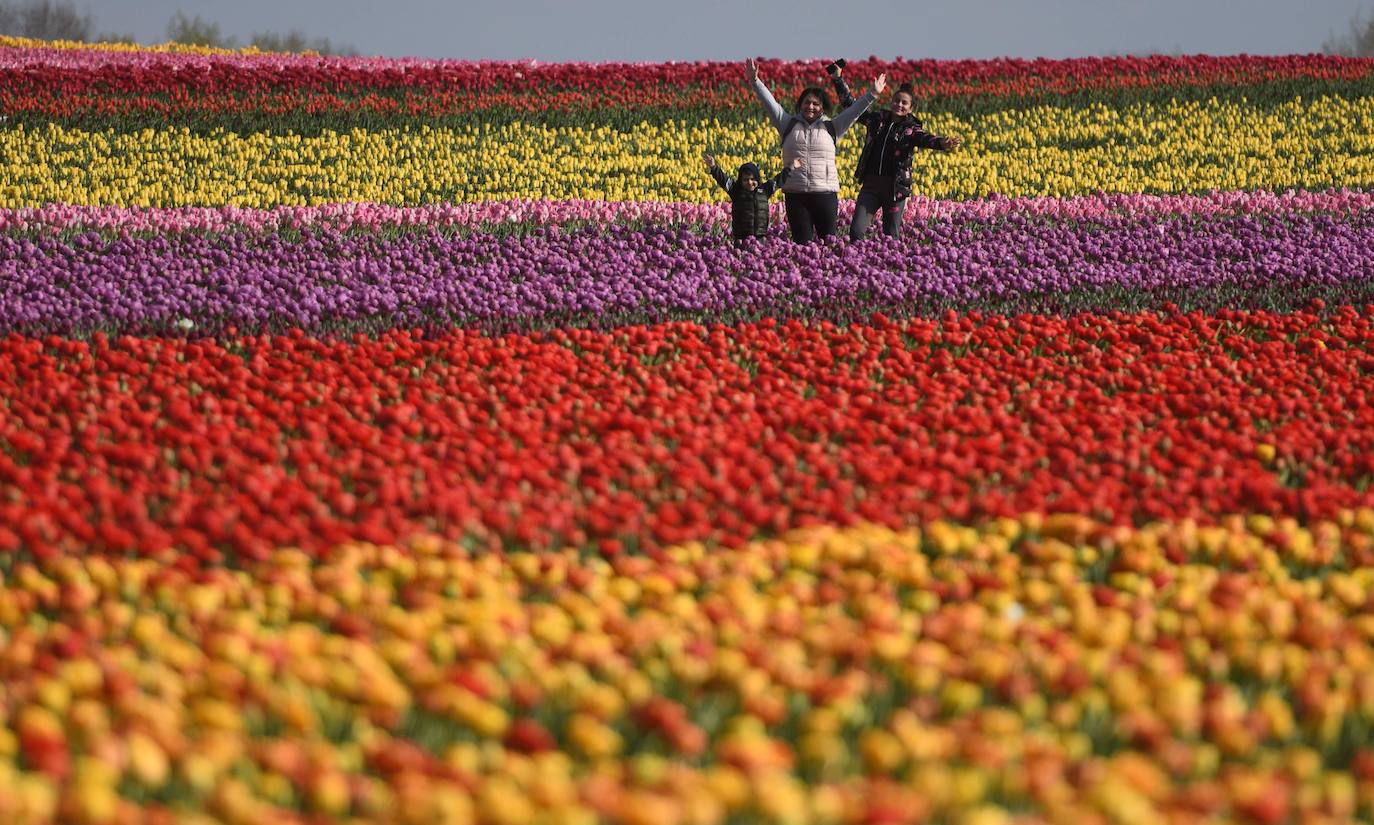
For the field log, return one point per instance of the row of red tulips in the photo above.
(654, 435)
(369, 108)
(181, 105)
(459, 86)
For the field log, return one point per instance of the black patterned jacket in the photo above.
(890, 143)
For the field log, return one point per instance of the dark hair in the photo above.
(905, 89)
(819, 93)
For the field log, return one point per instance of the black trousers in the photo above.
(877, 193)
(812, 214)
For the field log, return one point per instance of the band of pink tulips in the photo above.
(371, 216)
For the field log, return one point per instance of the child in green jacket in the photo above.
(748, 197)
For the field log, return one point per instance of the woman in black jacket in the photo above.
(885, 165)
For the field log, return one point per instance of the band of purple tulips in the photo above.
(310, 268)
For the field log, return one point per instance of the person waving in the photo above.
(884, 171)
(812, 190)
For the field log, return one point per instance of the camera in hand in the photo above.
(835, 66)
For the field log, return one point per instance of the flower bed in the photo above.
(505, 217)
(403, 440)
(1177, 147)
(1093, 672)
(646, 436)
(330, 282)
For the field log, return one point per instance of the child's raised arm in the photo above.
(715, 171)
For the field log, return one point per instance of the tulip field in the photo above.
(398, 440)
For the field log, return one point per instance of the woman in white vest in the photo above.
(812, 191)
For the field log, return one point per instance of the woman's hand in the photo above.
(710, 160)
(751, 69)
(796, 163)
(952, 143)
(880, 84)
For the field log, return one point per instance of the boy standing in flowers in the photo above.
(748, 198)
(885, 165)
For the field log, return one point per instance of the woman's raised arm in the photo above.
(869, 117)
(846, 118)
(776, 114)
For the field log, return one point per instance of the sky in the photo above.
(620, 30)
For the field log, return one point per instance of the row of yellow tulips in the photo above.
(1182, 147)
(1075, 670)
(169, 47)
